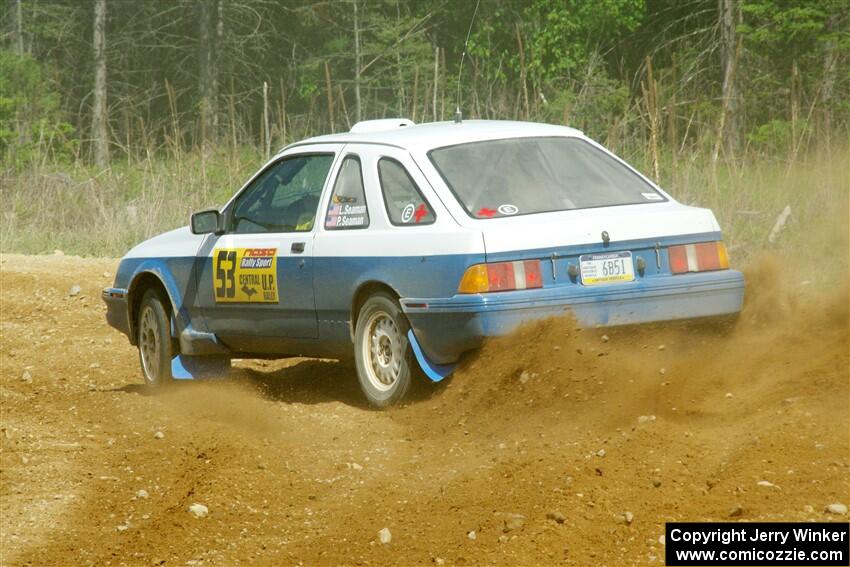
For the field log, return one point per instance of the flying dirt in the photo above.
(556, 445)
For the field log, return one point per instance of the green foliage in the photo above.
(781, 25)
(773, 137)
(31, 119)
(796, 53)
(564, 35)
(563, 61)
(594, 109)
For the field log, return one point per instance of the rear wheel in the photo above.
(382, 353)
(154, 340)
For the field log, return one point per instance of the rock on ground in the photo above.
(198, 510)
(514, 522)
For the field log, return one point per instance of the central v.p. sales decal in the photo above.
(245, 275)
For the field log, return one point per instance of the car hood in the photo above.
(179, 242)
(549, 231)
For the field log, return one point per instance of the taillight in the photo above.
(699, 257)
(501, 276)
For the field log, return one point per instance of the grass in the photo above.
(82, 211)
(748, 197)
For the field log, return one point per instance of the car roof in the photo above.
(425, 137)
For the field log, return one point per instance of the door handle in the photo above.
(297, 247)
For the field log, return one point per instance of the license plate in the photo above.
(606, 268)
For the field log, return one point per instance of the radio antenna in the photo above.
(458, 114)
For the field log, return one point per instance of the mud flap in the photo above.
(434, 372)
(198, 367)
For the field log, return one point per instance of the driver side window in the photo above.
(284, 198)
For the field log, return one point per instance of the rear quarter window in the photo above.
(403, 200)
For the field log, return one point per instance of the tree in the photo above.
(727, 71)
(797, 60)
(99, 130)
(31, 120)
(209, 38)
(357, 68)
(730, 48)
(18, 27)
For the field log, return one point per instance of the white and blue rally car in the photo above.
(414, 243)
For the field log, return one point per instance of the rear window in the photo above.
(521, 176)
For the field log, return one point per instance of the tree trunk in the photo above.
(100, 134)
(358, 114)
(267, 140)
(415, 93)
(209, 30)
(18, 27)
(341, 97)
(650, 95)
(443, 92)
(795, 100)
(436, 79)
(330, 93)
(828, 85)
(522, 75)
(730, 18)
(22, 114)
(402, 104)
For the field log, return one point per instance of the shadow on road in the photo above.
(304, 382)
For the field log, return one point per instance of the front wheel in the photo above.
(154, 340)
(382, 353)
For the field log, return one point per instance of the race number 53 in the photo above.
(245, 275)
(225, 270)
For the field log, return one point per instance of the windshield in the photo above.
(521, 176)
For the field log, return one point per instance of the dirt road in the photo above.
(570, 429)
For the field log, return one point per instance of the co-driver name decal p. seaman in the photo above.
(245, 275)
(346, 215)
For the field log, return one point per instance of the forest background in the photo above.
(118, 118)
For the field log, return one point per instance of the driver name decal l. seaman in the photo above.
(245, 275)
(345, 215)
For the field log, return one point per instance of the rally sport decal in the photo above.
(245, 275)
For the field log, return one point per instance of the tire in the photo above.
(382, 353)
(156, 348)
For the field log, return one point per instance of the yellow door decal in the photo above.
(245, 275)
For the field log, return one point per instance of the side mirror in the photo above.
(206, 222)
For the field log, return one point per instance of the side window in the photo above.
(284, 198)
(405, 204)
(347, 208)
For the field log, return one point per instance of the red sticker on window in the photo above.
(421, 212)
(485, 212)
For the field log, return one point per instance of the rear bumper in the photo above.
(117, 314)
(446, 328)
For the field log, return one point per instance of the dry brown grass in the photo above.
(103, 213)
